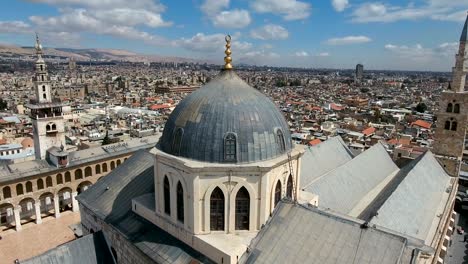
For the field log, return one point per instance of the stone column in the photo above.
(16, 212)
(56, 206)
(75, 207)
(37, 206)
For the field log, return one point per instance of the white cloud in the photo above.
(301, 54)
(323, 54)
(288, 9)
(433, 9)
(14, 27)
(420, 53)
(340, 5)
(269, 31)
(232, 19)
(349, 40)
(236, 18)
(151, 5)
(211, 43)
(212, 7)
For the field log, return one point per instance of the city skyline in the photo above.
(390, 35)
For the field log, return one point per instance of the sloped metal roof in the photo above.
(344, 187)
(225, 104)
(90, 249)
(296, 234)
(322, 158)
(412, 207)
(111, 200)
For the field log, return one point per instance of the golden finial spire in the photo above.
(228, 59)
(38, 45)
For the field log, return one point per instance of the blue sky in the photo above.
(392, 34)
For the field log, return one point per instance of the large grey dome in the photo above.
(226, 120)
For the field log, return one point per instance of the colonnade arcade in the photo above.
(31, 199)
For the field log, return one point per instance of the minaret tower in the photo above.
(451, 129)
(46, 114)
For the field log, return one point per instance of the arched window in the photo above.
(6, 192)
(43, 88)
(98, 169)
(167, 196)
(447, 125)
(289, 187)
(59, 178)
(44, 95)
(242, 209)
(456, 109)
(449, 108)
(78, 174)
(40, 184)
(112, 165)
(454, 126)
(277, 193)
(54, 127)
(67, 176)
(118, 162)
(88, 172)
(47, 127)
(180, 202)
(217, 210)
(42, 67)
(48, 181)
(280, 140)
(230, 153)
(177, 141)
(104, 167)
(29, 187)
(19, 189)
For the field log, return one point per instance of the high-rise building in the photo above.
(46, 113)
(450, 134)
(359, 71)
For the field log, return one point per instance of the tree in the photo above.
(421, 107)
(3, 104)
(106, 140)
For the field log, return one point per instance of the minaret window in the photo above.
(456, 108)
(280, 140)
(230, 153)
(277, 192)
(217, 210)
(180, 202)
(447, 125)
(40, 184)
(454, 126)
(6, 192)
(44, 96)
(42, 67)
(177, 141)
(42, 77)
(449, 108)
(19, 189)
(289, 187)
(167, 196)
(242, 209)
(43, 88)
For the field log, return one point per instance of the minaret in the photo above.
(450, 133)
(46, 114)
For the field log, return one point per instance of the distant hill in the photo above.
(92, 54)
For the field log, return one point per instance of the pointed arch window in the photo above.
(242, 209)
(280, 141)
(456, 109)
(449, 108)
(447, 125)
(289, 187)
(180, 202)
(217, 210)
(177, 141)
(230, 152)
(167, 196)
(454, 126)
(277, 192)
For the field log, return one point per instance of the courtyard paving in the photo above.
(37, 239)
